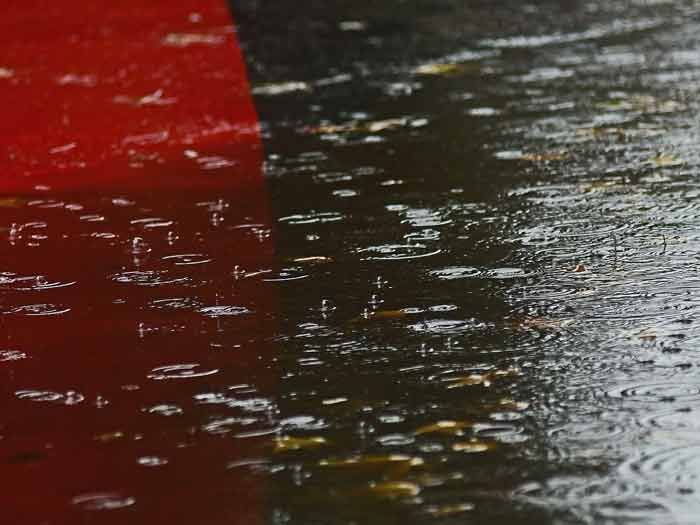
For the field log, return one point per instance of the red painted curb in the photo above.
(132, 94)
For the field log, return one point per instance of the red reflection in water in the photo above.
(131, 372)
(134, 347)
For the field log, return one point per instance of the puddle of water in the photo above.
(480, 304)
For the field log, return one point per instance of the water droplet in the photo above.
(375, 301)
(47, 396)
(216, 219)
(139, 247)
(148, 278)
(506, 273)
(187, 259)
(165, 410)
(14, 233)
(456, 272)
(238, 272)
(379, 282)
(397, 252)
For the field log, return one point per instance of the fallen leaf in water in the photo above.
(602, 185)
(545, 157)
(426, 480)
(480, 379)
(601, 132)
(580, 268)
(666, 160)
(110, 436)
(449, 510)
(605, 132)
(395, 489)
(382, 125)
(648, 334)
(474, 447)
(11, 203)
(393, 465)
(438, 69)
(471, 379)
(642, 103)
(289, 443)
(445, 427)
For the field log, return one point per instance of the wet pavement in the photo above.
(473, 300)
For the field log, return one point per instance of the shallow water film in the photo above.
(468, 293)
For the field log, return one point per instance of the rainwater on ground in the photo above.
(474, 299)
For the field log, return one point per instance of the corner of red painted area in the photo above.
(124, 96)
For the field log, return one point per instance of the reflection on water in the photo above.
(479, 306)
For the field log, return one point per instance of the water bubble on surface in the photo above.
(38, 310)
(99, 501)
(149, 278)
(152, 461)
(456, 272)
(506, 273)
(47, 396)
(484, 112)
(187, 259)
(12, 281)
(180, 371)
(292, 273)
(446, 326)
(312, 218)
(176, 304)
(165, 410)
(395, 440)
(224, 311)
(397, 252)
(12, 355)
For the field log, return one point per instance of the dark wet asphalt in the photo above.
(523, 176)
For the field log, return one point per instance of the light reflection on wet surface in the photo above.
(481, 305)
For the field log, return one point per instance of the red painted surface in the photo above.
(114, 98)
(134, 94)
